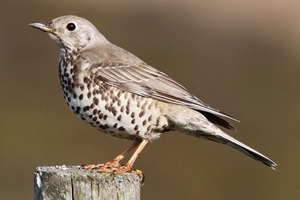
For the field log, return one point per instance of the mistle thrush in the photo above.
(122, 96)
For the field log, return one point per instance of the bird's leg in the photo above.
(129, 164)
(115, 163)
(124, 153)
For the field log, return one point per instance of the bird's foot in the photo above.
(114, 167)
(127, 169)
(106, 167)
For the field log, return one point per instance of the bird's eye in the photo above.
(71, 26)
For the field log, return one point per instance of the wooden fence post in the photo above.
(73, 183)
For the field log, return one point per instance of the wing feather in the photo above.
(146, 81)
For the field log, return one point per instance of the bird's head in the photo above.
(71, 33)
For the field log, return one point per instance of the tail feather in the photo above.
(218, 120)
(230, 141)
(201, 125)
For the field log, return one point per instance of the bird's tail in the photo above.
(196, 124)
(223, 138)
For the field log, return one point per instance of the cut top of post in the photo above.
(72, 182)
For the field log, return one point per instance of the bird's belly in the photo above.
(118, 113)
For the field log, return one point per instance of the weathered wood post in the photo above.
(73, 183)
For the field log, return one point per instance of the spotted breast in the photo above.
(113, 111)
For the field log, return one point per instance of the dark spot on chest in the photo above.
(77, 111)
(115, 125)
(95, 111)
(89, 95)
(86, 108)
(121, 128)
(114, 111)
(144, 122)
(132, 115)
(96, 100)
(141, 114)
(119, 118)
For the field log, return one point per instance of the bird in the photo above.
(119, 94)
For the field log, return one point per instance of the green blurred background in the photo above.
(239, 56)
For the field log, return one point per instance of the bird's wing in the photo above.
(146, 81)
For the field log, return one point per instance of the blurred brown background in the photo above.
(239, 56)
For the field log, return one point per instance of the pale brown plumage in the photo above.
(118, 93)
(135, 76)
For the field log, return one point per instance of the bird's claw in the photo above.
(113, 167)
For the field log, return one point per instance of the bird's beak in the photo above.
(43, 27)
